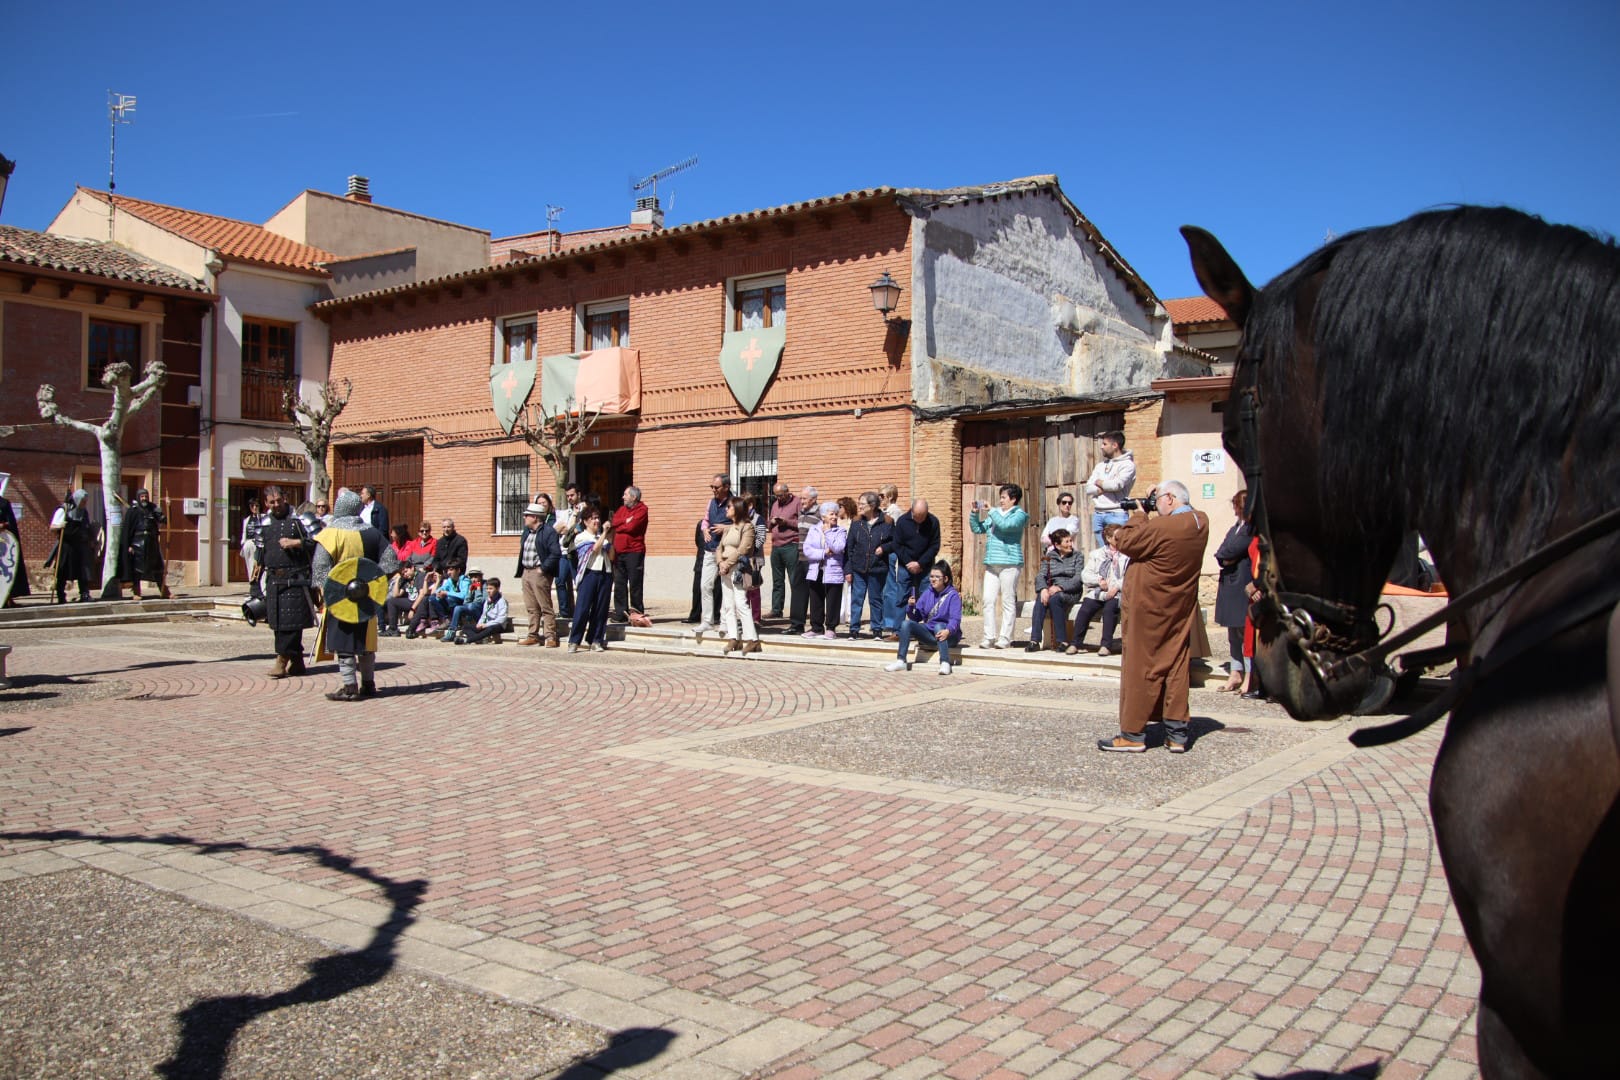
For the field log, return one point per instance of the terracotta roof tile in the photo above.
(97, 257)
(1187, 310)
(921, 196)
(239, 240)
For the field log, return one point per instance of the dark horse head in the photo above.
(1447, 374)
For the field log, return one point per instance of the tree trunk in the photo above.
(112, 475)
(322, 478)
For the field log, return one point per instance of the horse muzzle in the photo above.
(1298, 672)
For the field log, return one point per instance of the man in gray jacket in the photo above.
(1057, 589)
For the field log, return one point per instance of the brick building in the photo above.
(67, 309)
(260, 337)
(1013, 308)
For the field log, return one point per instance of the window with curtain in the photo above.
(517, 340)
(760, 303)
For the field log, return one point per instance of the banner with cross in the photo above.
(509, 388)
(748, 360)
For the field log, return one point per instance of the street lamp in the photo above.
(6, 166)
(885, 295)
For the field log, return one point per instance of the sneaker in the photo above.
(810, 634)
(830, 636)
(344, 693)
(1102, 650)
(896, 665)
(1176, 746)
(572, 648)
(944, 667)
(986, 643)
(1119, 744)
(597, 646)
(1002, 643)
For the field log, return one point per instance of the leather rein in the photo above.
(1315, 624)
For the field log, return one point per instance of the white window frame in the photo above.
(528, 485)
(499, 347)
(582, 313)
(749, 283)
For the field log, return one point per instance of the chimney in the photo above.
(648, 212)
(359, 189)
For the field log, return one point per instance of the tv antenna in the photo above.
(120, 107)
(651, 181)
(553, 240)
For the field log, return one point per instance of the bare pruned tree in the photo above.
(313, 421)
(127, 400)
(553, 435)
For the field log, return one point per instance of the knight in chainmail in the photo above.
(354, 644)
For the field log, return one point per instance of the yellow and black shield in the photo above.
(356, 591)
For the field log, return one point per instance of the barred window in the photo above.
(511, 493)
(753, 466)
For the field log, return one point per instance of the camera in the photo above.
(1147, 504)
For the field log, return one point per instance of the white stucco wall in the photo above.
(1011, 291)
(254, 292)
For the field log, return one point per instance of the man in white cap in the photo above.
(539, 558)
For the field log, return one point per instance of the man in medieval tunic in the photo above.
(287, 577)
(74, 550)
(354, 644)
(1160, 596)
(142, 557)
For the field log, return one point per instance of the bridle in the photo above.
(1316, 624)
(1312, 624)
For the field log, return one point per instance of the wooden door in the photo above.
(393, 468)
(1042, 456)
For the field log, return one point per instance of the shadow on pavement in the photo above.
(4, 731)
(209, 1025)
(438, 687)
(632, 1046)
(1368, 1071)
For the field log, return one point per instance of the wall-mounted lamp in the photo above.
(6, 168)
(885, 296)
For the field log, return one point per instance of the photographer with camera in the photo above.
(1161, 581)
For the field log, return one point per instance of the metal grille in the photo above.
(511, 492)
(753, 466)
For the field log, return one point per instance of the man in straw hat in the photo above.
(539, 558)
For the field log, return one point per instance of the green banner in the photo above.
(509, 387)
(748, 359)
(559, 376)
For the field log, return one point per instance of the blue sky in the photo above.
(1269, 124)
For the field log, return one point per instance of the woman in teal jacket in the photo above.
(1003, 530)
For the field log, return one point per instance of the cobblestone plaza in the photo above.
(755, 868)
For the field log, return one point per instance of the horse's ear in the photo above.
(1218, 273)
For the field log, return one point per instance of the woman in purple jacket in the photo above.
(934, 619)
(824, 571)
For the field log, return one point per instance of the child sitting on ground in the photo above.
(492, 620)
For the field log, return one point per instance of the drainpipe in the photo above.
(215, 266)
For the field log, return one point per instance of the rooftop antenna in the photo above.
(119, 109)
(652, 181)
(553, 241)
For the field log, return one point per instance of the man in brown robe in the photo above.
(1161, 595)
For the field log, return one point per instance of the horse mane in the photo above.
(1467, 372)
